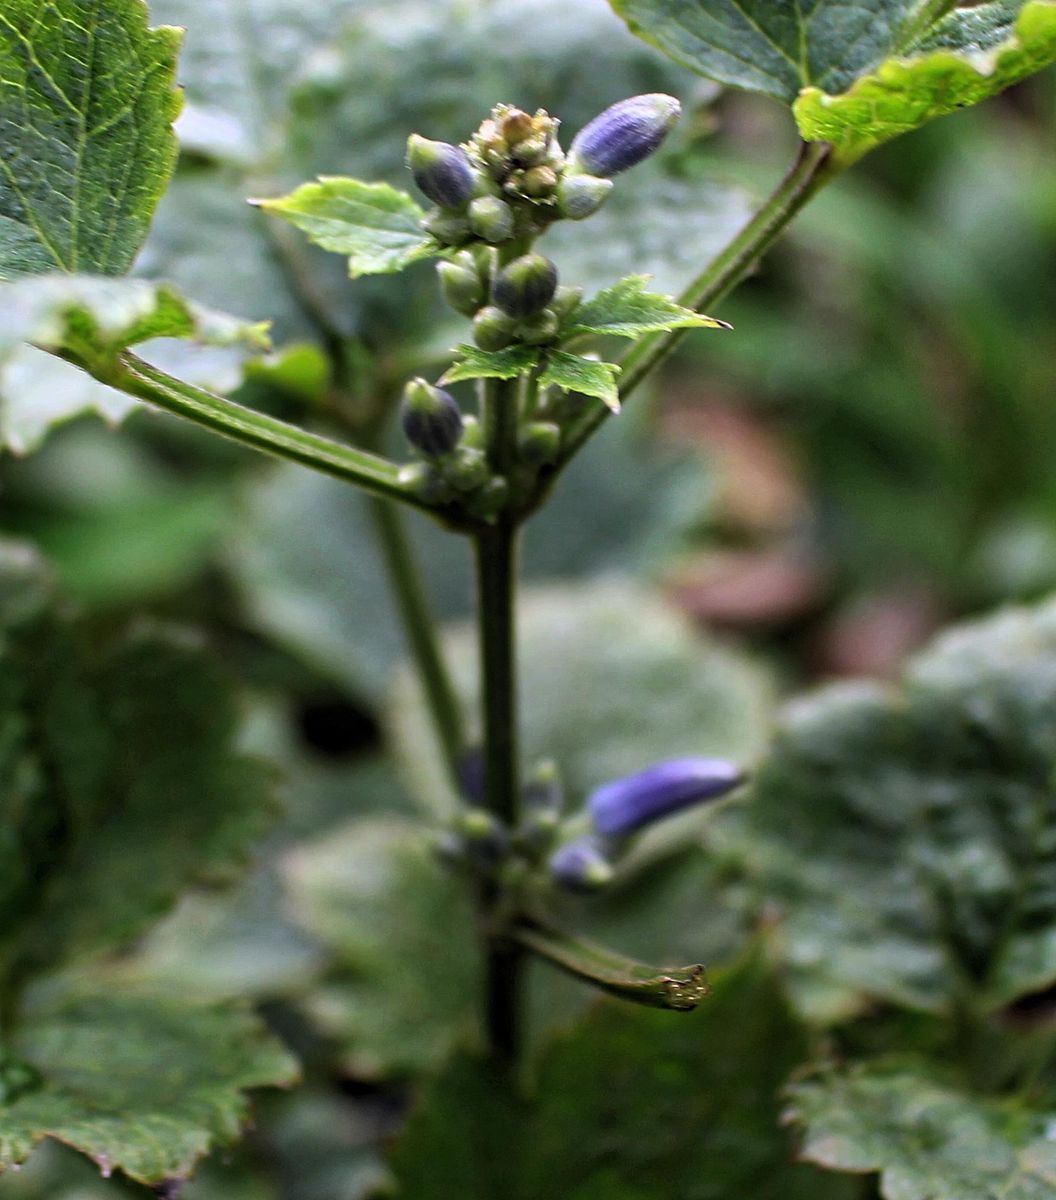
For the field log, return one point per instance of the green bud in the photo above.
(467, 469)
(539, 181)
(472, 433)
(485, 839)
(493, 329)
(426, 481)
(491, 499)
(449, 230)
(525, 286)
(541, 329)
(539, 443)
(580, 196)
(566, 300)
(532, 152)
(516, 126)
(491, 219)
(462, 289)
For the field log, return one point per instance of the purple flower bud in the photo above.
(626, 805)
(525, 286)
(623, 135)
(431, 419)
(581, 866)
(442, 171)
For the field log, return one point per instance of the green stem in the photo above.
(496, 562)
(812, 169)
(420, 630)
(375, 475)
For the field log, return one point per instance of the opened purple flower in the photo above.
(627, 805)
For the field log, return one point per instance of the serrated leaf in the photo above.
(378, 227)
(120, 784)
(585, 376)
(928, 1141)
(627, 310)
(140, 1083)
(628, 1104)
(777, 47)
(87, 101)
(402, 929)
(972, 55)
(474, 363)
(907, 838)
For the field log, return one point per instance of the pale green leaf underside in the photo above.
(971, 56)
(585, 376)
(929, 1142)
(87, 101)
(908, 838)
(474, 363)
(377, 226)
(627, 310)
(138, 1082)
(778, 46)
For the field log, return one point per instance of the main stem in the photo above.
(496, 549)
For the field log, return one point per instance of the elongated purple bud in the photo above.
(627, 805)
(430, 418)
(623, 135)
(442, 171)
(581, 866)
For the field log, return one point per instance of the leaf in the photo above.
(376, 226)
(972, 55)
(779, 46)
(929, 1141)
(628, 1105)
(474, 363)
(87, 101)
(907, 838)
(402, 929)
(119, 783)
(584, 376)
(139, 1083)
(627, 310)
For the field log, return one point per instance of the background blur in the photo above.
(867, 457)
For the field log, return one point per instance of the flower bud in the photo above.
(541, 329)
(486, 840)
(472, 433)
(467, 470)
(462, 287)
(490, 500)
(538, 182)
(430, 418)
(493, 329)
(442, 172)
(525, 286)
(539, 443)
(580, 196)
(426, 482)
(447, 229)
(543, 791)
(623, 135)
(516, 126)
(565, 302)
(532, 152)
(627, 805)
(581, 866)
(491, 219)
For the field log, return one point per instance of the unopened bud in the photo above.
(532, 152)
(539, 443)
(623, 135)
(467, 470)
(580, 196)
(581, 866)
(448, 229)
(472, 433)
(539, 181)
(425, 481)
(627, 805)
(517, 126)
(442, 172)
(541, 329)
(493, 329)
(566, 300)
(525, 286)
(462, 287)
(490, 500)
(491, 219)
(485, 839)
(431, 419)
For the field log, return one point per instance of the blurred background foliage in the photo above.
(867, 457)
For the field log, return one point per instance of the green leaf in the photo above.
(474, 363)
(906, 837)
(629, 1105)
(139, 1083)
(929, 1141)
(402, 930)
(376, 226)
(972, 55)
(585, 376)
(778, 47)
(87, 101)
(627, 310)
(119, 783)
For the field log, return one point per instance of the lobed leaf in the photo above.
(928, 1141)
(584, 376)
(378, 227)
(627, 310)
(474, 363)
(87, 101)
